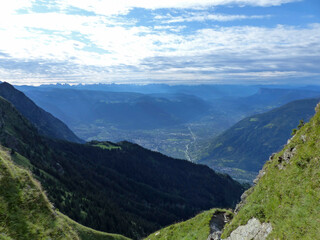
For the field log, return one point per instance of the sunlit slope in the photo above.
(193, 229)
(288, 194)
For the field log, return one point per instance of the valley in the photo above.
(184, 122)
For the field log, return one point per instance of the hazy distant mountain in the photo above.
(122, 110)
(202, 91)
(249, 143)
(263, 100)
(47, 124)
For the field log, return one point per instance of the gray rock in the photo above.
(262, 172)
(253, 230)
(219, 219)
(286, 157)
(243, 200)
(317, 107)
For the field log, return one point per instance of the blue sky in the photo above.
(168, 41)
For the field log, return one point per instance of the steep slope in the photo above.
(26, 213)
(251, 141)
(121, 188)
(47, 124)
(287, 194)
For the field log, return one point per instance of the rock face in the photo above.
(217, 223)
(286, 157)
(253, 230)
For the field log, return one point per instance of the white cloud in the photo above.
(58, 45)
(123, 6)
(204, 16)
(143, 53)
(10, 7)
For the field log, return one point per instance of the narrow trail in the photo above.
(194, 139)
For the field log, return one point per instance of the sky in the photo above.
(160, 41)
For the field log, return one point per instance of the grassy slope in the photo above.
(289, 198)
(25, 212)
(192, 229)
(86, 233)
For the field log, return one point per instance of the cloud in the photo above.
(124, 6)
(57, 46)
(134, 53)
(205, 16)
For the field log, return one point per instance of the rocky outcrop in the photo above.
(253, 230)
(286, 157)
(219, 219)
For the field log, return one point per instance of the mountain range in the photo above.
(120, 188)
(175, 120)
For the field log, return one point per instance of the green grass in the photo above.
(105, 145)
(26, 213)
(192, 229)
(289, 198)
(86, 233)
(21, 160)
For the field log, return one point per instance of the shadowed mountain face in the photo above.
(249, 143)
(47, 124)
(121, 188)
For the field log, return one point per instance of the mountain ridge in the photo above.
(45, 122)
(249, 143)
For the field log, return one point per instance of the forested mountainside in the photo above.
(46, 123)
(248, 144)
(26, 213)
(120, 188)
